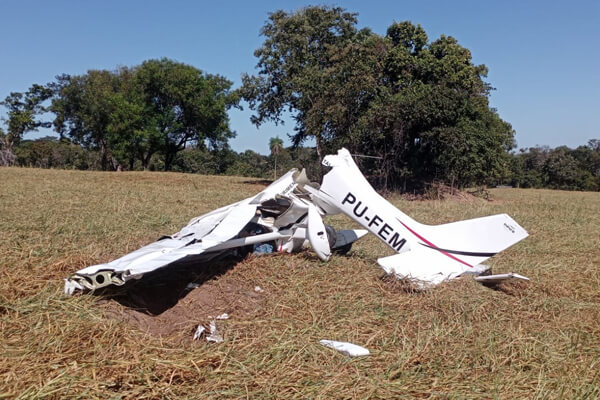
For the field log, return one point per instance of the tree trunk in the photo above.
(319, 154)
(104, 155)
(7, 156)
(169, 157)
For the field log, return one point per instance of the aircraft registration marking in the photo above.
(386, 231)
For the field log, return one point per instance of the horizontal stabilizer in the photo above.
(428, 267)
(473, 240)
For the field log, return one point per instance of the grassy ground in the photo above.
(459, 340)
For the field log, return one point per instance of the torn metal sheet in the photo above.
(212, 334)
(349, 349)
(281, 218)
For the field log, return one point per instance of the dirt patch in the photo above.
(514, 288)
(173, 309)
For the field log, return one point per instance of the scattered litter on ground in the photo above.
(199, 332)
(258, 289)
(349, 349)
(162, 308)
(223, 316)
(215, 336)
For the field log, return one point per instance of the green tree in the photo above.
(248, 163)
(130, 134)
(431, 118)
(294, 68)
(184, 106)
(24, 111)
(421, 107)
(276, 145)
(130, 114)
(560, 169)
(196, 161)
(83, 106)
(50, 152)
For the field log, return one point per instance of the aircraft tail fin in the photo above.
(470, 241)
(446, 251)
(427, 253)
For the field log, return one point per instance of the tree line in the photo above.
(129, 114)
(536, 167)
(53, 152)
(558, 168)
(418, 108)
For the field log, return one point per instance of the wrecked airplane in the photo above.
(288, 215)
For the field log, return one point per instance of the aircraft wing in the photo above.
(282, 214)
(195, 239)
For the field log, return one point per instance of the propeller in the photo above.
(317, 234)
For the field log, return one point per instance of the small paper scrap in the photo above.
(214, 336)
(199, 332)
(349, 349)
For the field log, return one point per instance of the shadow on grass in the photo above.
(516, 289)
(160, 290)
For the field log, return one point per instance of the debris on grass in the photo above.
(496, 279)
(215, 336)
(213, 333)
(349, 349)
(199, 332)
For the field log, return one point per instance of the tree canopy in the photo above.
(558, 168)
(160, 106)
(24, 110)
(420, 106)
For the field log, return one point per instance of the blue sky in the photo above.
(543, 56)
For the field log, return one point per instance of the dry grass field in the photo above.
(460, 340)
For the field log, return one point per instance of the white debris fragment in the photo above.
(349, 349)
(214, 336)
(73, 286)
(199, 332)
(192, 286)
(495, 279)
(223, 316)
(258, 289)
